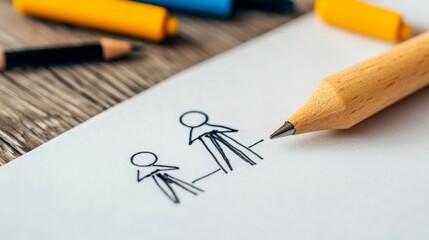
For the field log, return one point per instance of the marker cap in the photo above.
(171, 26)
(364, 18)
(406, 32)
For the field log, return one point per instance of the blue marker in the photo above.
(217, 8)
(220, 8)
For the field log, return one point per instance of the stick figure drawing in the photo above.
(216, 140)
(146, 162)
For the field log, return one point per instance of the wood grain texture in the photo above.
(38, 104)
(348, 97)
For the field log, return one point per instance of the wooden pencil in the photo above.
(348, 97)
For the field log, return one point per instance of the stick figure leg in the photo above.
(219, 149)
(213, 154)
(237, 149)
(186, 186)
(245, 148)
(167, 189)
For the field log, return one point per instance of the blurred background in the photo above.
(39, 103)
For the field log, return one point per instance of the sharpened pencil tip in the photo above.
(286, 130)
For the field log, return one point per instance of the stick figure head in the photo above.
(144, 159)
(193, 119)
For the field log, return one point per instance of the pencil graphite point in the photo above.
(286, 130)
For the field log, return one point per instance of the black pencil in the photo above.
(105, 49)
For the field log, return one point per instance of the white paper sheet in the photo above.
(370, 182)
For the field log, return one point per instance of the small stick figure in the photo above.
(164, 181)
(216, 140)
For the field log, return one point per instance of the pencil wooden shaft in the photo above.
(348, 97)
(61, 55)
(105, 49)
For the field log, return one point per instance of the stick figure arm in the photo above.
(195, 135)
(162, 168)
(198, 133)
(192, 139)
(141, 178)
(222, 129)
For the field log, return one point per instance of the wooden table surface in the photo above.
(37, 104)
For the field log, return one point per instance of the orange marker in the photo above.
(118, 16)
(364, 18)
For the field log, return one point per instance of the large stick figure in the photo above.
(216, 140)
(146, 161)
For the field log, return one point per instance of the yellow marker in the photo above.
(118, 16)
(364, 18)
